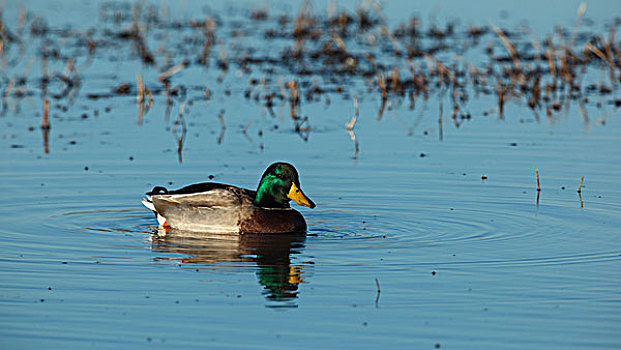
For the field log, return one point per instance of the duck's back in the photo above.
(206, 207)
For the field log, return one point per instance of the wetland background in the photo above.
(416, 127)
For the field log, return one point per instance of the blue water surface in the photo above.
(422, 237)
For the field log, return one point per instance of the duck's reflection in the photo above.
(271, 253)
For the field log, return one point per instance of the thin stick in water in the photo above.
(580, 186)
(45, 120)
(378, 291)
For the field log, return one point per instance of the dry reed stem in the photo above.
(149, 98)
(508, 46)
(221, 118)
(222, 126)
(439, 67)
(68, 67)
(45, 120)
(473, 74)
(9, 86)
(395, 79)
(180, 126)
(613, 42)
(611, 57)
(395, 44)
(538, 185)
(140, 85)
(294, 99)
(581, 10)
(245, 129)
(44, 67)
(171, 71)
(501, 99)
(350, 126)
(599, 53)
(564, 68)
(382, 86)
(551, 63)
(440, 123)
(537, 49)
(580, 186)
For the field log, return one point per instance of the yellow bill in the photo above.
(299, 197)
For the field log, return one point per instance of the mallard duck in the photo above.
(216, 207)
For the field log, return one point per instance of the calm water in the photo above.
(462, 262)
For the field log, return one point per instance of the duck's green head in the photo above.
(280, 184)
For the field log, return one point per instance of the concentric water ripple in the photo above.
(514, 232)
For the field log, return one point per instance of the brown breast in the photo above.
(263, 220)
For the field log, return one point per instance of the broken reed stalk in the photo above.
(208, 31)
(149, 98)
(245, 129)
(551, 63)
(382, 86)
(69, 67)
(538, 185)
(599, 53)
(141, 92)
(221, 118)
(501, 99)
(44, 67)
(294, 99)
(508, 46)
(222, 126)
(580, 186)
(581, 10)
(440, 126)
(9, 87)
(350, 126)
(180, 122)
(613, 42)
(377, 296)
(172, 70)
(395, 80)
(536, 47)
(45, 120)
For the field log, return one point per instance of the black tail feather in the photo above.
(158, 190)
